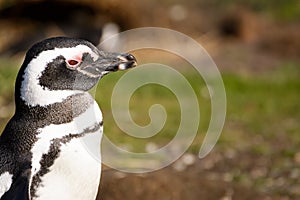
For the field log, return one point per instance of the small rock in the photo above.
(212, 176)
(178, 12)
(226, 198)
(258, 172)
(280, 182)
(227, 177)
(230, 154)
(151, 147)
(188, 159)
(208, 164)
(179, 165)
(119, 175)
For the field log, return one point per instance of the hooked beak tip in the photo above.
(126, 61)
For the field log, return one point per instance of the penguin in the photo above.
(41, 153)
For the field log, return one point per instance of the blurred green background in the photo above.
(256, 47)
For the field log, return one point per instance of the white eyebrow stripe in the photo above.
(32, 92)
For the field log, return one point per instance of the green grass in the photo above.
(288, 11)
(262, 107)
(265, 103)
(8, 73)
(140, 103)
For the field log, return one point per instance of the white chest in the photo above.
(74, 175)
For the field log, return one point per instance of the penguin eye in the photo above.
(72, 63)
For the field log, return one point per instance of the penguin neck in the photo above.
(35, 95)
(55, 113)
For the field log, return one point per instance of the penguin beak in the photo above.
(107, 62)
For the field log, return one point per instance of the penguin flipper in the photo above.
(19, 190)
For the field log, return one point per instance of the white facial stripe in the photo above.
(5, 182)
(71, 52)
(88, 73)
(104, 73)
(122, 66)
(88, 119)
(31, 91)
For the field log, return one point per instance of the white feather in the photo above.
(5, 182)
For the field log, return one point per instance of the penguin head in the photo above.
(63, 66)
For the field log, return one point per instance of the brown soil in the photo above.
(193, 183)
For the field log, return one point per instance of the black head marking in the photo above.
(47, 44)
(52, 43)
(57, 76)
(70, 66)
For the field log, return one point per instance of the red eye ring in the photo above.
(73, 62)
